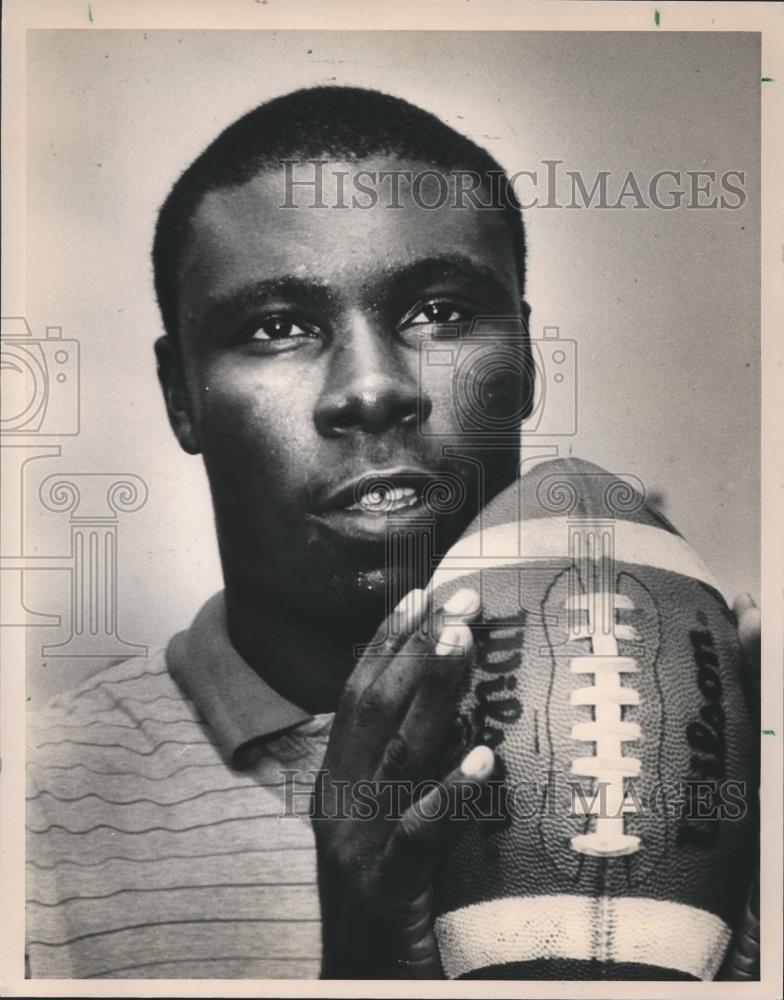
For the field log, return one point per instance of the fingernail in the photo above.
(750, 621)
(478, 764)
(743, 602)
(463, 602)
(410, 607)
(453, 641)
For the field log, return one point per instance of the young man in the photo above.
(296, 309)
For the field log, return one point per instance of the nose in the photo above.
(371, 384)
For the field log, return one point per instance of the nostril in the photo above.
(372, 409)
(342, 420)
(422, 411)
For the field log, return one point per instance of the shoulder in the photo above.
(121, 724)
(140, 679)
(146, 853)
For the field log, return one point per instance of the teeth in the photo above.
(380, 500)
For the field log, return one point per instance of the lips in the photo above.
(377, 490)
(364, 508)
(387, 499)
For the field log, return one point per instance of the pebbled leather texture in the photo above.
(666, 887)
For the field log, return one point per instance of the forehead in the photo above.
(338, 235)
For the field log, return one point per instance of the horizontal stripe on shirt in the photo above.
(149, 855)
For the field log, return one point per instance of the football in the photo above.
(615, 840)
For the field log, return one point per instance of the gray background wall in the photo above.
(663, 306)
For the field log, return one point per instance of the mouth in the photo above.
(366, 507)
(382, 499)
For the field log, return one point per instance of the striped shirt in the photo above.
(157, 844)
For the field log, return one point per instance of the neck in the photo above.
(307, 660)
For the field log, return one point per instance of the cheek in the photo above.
(478, 388)
(246, 415)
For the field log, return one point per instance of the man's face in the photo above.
(307, 369)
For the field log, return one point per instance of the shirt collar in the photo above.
(233, 699)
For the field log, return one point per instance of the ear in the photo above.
(171, 375)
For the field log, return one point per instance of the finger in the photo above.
(402, 624)
(428, 825)
(379, 710)
(417, 748)
(750, 674)
(398, 627)
(742, 603)
(379, 681)
(749, 632)
(743, 959)
(463, 606)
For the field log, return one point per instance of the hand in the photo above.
(742, 962)
(377, 856)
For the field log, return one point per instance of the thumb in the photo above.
(742, 963)
(428, 825)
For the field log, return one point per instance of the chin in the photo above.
(376, 587)
(388, 583)
(366, 596)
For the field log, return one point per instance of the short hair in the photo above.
(341, 123)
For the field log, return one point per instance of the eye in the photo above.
(280, 328)
(435, 312)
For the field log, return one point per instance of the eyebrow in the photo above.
(426, 270)
(449, 265)
(256, 292)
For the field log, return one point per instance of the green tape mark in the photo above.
(656, 18)
(90, 13)
(767, 732)
(767, 79)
